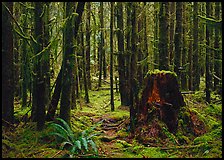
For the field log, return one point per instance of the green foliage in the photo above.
(169, 135)
(74, 143)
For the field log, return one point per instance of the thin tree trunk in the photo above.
(171, 36)
(111, 57)
(196, 74)
(88, 77)
(184, 51)
(133, 73)
(217, 55)
(208, 74)
(101, 48)
(24, 57)
(178, 39)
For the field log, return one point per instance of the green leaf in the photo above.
(64, 143)
(93, 146)
(67, 127)
(78, 144)
(58, 135)
(85, 144)
(59, 129)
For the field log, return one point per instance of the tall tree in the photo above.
(24, 58)
(156, 36)
(163, 36)
(68, 62)
(121, 59)
(58, 86)
(111, 56)
(7, 64)
(171, 36)
(39, 91)
(46, 53)
(217, 55)
(208, 72)
(88, 10)
(68, 57)
(140, 42)
(145, 33)
(84, 56)
(178, 38)
(101, 47)
(184, 50)
(133, 72)
(196, 71)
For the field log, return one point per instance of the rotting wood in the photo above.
(160, 103)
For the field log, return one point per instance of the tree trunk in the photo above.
(39, 77)
(208, 74)
(184, 51)
(101, 47)
(24, 57)
(133, 72)
(178, 39)
(68, 63)
(196, 73)
(156, 38)
(7, 64)
(121, 60)
(163, 36)
(88, 77)
(111, 56)
(57, 90)
(84, 57)
(217, 55)
(171, 36)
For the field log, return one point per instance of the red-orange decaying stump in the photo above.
(161, 99)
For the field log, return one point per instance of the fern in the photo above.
(75, 144)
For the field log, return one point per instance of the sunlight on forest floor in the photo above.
(114, 140)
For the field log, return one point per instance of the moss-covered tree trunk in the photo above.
(88, 77)
(184, 51)
(217, 55)
(208, 72)
(163, 36)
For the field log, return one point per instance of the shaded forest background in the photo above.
(54, 53)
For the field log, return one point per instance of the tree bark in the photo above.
(178, 39)
(7, 65)
(111, 56)
(163, 36)
(196, 73)
(208, 74)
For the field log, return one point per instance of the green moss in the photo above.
(157, 71)
(153, 152)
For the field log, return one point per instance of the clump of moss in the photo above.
(157, 71)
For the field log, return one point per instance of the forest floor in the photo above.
(114, 141)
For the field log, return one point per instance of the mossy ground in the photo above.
(114, 141)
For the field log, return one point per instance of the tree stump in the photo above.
(160, 102)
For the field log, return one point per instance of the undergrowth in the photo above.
(23, 141)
